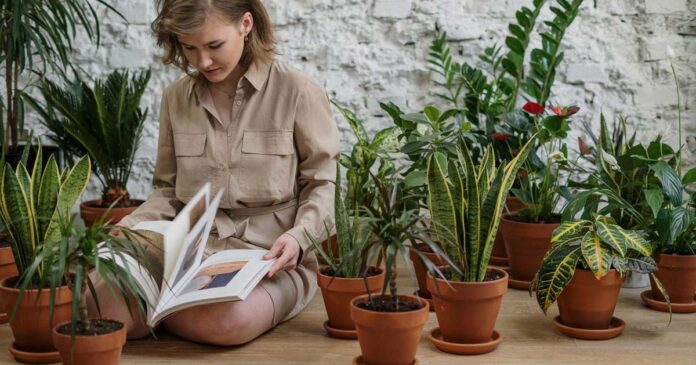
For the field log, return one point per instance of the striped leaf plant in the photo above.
(466, 204)
(599, 245)
(31, 206)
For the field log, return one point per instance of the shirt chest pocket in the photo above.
(267, 164)
(191, 163)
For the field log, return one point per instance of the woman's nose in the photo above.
(204, 60)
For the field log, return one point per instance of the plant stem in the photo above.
(679, 118)
(83, 313)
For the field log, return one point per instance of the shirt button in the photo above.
(238, 102)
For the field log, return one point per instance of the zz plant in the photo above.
(599, 245)
(466, 204)
(32, 205)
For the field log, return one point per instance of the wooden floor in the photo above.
(528, 338)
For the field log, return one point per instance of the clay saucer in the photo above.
(427, 298)
(518, 284)
(339, 333)
(661, 306)
(436, 339)
(499, 261)
(616, 326)
(358, 360)
(34, 357)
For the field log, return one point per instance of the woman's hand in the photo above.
(287, 250)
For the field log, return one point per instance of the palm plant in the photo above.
(43, 31)
(32, 205)
(105, 122)
(599, 245)
(466, 204)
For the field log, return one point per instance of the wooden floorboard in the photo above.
(528, 338)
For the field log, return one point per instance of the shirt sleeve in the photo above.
(317, 141)
(162, 204)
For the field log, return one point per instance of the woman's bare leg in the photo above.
(227, 323)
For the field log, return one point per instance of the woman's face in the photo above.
(215, 48)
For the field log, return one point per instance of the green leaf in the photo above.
(654, 198)
(671, 184)
(681, 221)
(555, 273)
(442, 208)
(596, 256)
(515, 45)
(689, 177)
(612, 235)
(432, 113)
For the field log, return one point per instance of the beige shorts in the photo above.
(290, 291)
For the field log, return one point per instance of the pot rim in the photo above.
(381, 273)
(55, 328)
(84, 204)
(424, 306)
(511, 221)
(473, 283)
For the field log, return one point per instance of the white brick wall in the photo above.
(365, 51)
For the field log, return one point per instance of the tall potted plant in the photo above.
(584, 270)
(37, 35)
(389, 325)
(105, 122)
(347, 274)
(30, 209)
(466, 204)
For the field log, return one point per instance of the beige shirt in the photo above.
(276, 160)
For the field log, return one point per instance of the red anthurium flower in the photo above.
(522, 174)
(584, 148)
(533, 108)
(500, 136)
(564, 112)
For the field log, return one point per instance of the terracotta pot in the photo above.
(101, 349)
(421, 270)
(475, 303)
(338, 292)
(90, 212)
(678, 275)
(389, 338)
(587, 302)
(7, 269)
(31, 326)
(526, 244)
(513, 204)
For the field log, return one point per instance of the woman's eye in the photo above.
(188, 48)
(216, 46)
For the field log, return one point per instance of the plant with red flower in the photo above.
(500, 137)
(564, 112)
(533, 108)
(583, 147)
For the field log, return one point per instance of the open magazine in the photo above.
(188, 279)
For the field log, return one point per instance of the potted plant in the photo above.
(466, 204)
(30, 210)
(83, 340)
(389, 325)
(584, 270)
(346, 274)
(527, 232)
(673, 235)
(105, 122)
(487, 96)
(36, 36)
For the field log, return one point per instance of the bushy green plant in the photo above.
(32, 205)
(599, 245)
(466, 204)
(104, 121)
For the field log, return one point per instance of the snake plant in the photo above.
(466, 204)
(32, 204)
(599, 245)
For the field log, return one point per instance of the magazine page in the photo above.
(179, 229)
(224, 276)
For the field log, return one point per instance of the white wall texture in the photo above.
(366, 51)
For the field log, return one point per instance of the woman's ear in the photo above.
(247, 23)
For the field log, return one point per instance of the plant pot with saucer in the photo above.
(499, 256)
(584, 271)
(470, 292)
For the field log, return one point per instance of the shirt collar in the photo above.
(257, 74)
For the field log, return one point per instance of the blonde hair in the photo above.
(181, 17)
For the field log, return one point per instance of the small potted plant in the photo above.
(104, 122)
(346, 274)
(83, 340)
(527, 232)
(389, 325)
(584, 270)
(30, 209)
(466, 204)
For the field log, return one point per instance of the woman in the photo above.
(256, 128)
